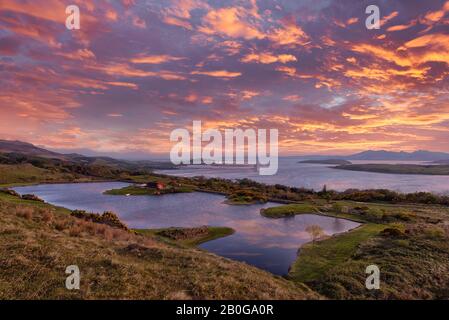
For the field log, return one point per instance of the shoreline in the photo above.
(230, 231)
(280, 201)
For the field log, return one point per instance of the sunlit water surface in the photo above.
(315, 176)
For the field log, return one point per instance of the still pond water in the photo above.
(270, 244)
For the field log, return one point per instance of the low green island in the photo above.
(327, 161)
(397, 168)
(136, 190)
(289, 210)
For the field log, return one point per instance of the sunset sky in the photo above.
(311, 69)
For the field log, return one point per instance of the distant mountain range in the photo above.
(8, 146)
(420, 155)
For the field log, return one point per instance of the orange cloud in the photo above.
(177, 22)
(382, 53)
(267, 58)
(124, 70)
(52, 10)
(232, 22)
(435, 16)
(80, 54)
(155, 59)
(231, 47)
(248, 94)
(352, 21)
(123, 84)
(401, 27)
(191, 97)
(218, 73)
(387, 18)
(289, 34)
(111, 15)
(436, 45)
(292, 98)
(290, 71)
(386, 74)
(178, 12)
(207, 100)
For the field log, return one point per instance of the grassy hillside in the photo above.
(27, 173)
(317, 259)
(38, 166)
(38, 241)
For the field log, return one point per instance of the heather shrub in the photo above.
(31, 197)
(24, 212)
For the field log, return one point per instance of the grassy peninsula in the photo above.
(398, 168)
(327, 161)
(408, 243)
(135, 190)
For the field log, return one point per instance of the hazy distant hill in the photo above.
(420, 155)
(446, 162)
(7, 146)
(327, 161)
(14, 150)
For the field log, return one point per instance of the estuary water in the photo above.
(315, 176)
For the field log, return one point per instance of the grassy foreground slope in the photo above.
(38, 241)
(409, 244)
